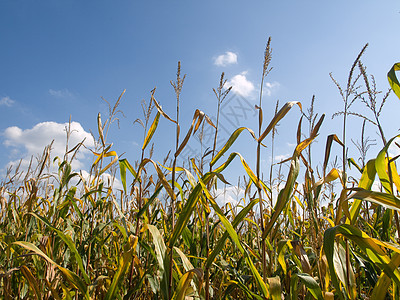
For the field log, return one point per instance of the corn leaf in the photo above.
(151, 131)
(368, 245)
(244, 288)
(32, 281)
(71, 245)
(123, 265)
(311, 284)
(123, 165)
(159, 108)
(197, 119)
(100, 129)
(366, 181)
(278, 116)
(184, 216)
(159, 245)
(230, 142)
(382, 286)
(381, 166)
(232, 233)
(393, 81)
(275, 288)
(221, 242)
(184, 282)
(72, 277)
(329, 140)
(285, 194)
(384, 199)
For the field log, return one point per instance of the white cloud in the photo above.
(109, 181)
(7, 101)
(226, 59)
(26, 143)
(64, 93)
(231, 194)
(271, 87)
(241, 85)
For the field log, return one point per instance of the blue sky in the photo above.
(58, 58)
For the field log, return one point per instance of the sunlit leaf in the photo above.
(151, 131)
(393, 81)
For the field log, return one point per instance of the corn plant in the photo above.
(64, 235)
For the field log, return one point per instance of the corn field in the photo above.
(165, 236)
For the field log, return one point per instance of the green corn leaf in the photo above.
(161, 177)
(149, 202)
(151, 131)
(253, 177)
(311, 284)
(371, 247)
(245, 289)
(366, 181)
(31, 281)
(184, 282)
(381, 166)
(72, 277)
(285, 194)
(351, 162)
(384, 199)
(197, 120)
(393, 81)
(188, 267)
(278, 116)
(384, 282)
(123, 165)
(282, 245)
(123, 265)
(221, 242)
(184, 216)
(230, 142)
(71, 245)
(235, 238)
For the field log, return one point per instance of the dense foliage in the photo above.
(68, 236)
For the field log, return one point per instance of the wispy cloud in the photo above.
(231, 194)
(279, 158)
(271, 87)
(64, 93)
(241, 85)
(6, 101)
(226, 59)
(26, 143)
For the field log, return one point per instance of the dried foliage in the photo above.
(66, 236)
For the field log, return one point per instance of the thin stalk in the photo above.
(372, 105)
(349, 91)
(178, 88)
(221, 95)
(272, 155)
(267, 60)
(146, 112)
